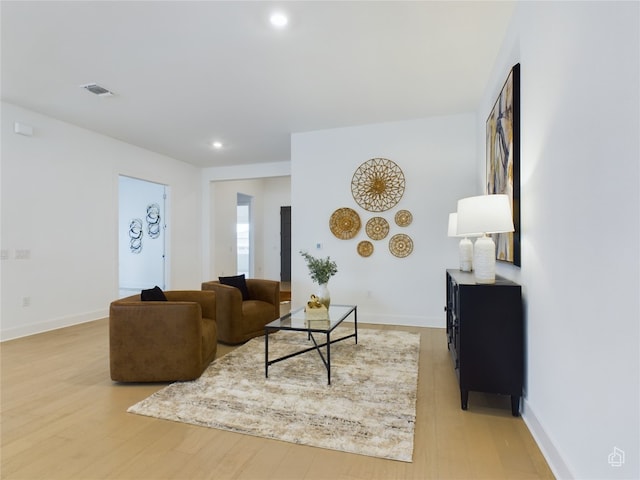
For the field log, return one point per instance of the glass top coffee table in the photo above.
(296, 321)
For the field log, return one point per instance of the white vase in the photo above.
(323, 295)
(465, 248)
(484, 260)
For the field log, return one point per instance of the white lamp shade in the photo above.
(484, 214)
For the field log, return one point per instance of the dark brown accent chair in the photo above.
(238, 320)
(160, 341)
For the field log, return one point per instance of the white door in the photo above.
(141, 235)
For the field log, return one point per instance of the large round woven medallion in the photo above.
(377, 228)
(345, 223)
(377, 185)
(401, 245)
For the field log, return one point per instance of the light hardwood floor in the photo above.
(63, 418)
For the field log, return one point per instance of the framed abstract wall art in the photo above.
(503, 161)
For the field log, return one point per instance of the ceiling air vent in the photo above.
(97, 90)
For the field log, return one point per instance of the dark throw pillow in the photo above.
(239, 282)
(154, 294)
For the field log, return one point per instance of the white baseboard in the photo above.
(406, 320)
(32, 329)
(549, 451)
(376, 319)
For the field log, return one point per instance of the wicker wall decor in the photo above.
(365, 248)
(403, 218)
(377, 228)
(401, 245)
(377, 185)
(344, 223)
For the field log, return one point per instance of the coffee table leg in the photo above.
(355, 321)
(266, 353)
(328, 359)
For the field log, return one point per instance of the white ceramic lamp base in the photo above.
(484, 260)
(465, 248)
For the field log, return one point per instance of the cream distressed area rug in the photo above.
(369, 408)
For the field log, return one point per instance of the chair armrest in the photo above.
(206, 300)
(266, 291)
(228, 299)
(138, 321)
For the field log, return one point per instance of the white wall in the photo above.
(437, 157)
(268, 195)
(60, 202)
(270, 185)
(223, 224)
(580, 228)
(277, 193)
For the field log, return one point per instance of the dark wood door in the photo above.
(285, 244)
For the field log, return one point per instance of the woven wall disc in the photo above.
(365, 248)
(377, 228)
(345, 223)
(377, 185)
(401, 245)
(403, 218)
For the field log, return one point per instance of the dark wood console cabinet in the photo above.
(485, 336)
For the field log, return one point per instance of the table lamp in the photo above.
(465, 247)
(486, 214)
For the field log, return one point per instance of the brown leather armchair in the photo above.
(238, 320)
(162, 341)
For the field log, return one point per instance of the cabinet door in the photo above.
(452, 320)
(491, 339)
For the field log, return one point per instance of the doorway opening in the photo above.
(244, 236)
(141, 235)
(285, 254)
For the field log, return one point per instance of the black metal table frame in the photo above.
(316, 346)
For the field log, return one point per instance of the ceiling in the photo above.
(185, 74)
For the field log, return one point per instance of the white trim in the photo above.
(55, 324)
(400, 320)
(244, 172)
(559, 468)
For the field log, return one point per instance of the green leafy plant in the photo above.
(321, 269)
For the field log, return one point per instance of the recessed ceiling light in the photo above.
(279, 20)
(217, 145)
